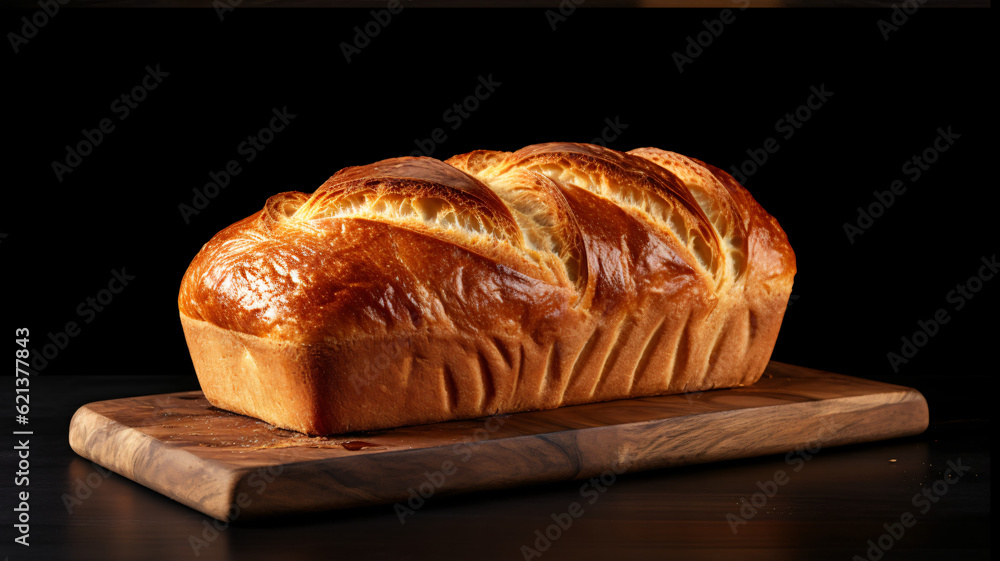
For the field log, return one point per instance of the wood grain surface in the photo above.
(229, 466)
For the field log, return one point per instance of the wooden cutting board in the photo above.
(233, 467)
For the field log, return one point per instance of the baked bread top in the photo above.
(522, 243)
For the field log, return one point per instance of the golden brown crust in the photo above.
(412, 290)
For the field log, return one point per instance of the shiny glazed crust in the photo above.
(413, 291)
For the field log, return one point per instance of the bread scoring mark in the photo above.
(720, 336)
(737, 258)
(503, 352)
(679, 358)
(248, 356)
(553, 374)
(282, 206)
(422, 194)
(715, 201)
(551, 235)
(432, 212)
(476, 161)
(747, 335)
(611, 356)
(645, 202)
(581, 359)
(450, 387)
(519, 369)
(516, 371)
(488, 382)
(649, 348)
(542, 240)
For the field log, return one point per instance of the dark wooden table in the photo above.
(828, 505)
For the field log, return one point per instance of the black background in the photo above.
(851, 303)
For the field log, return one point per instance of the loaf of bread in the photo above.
(413, 291)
